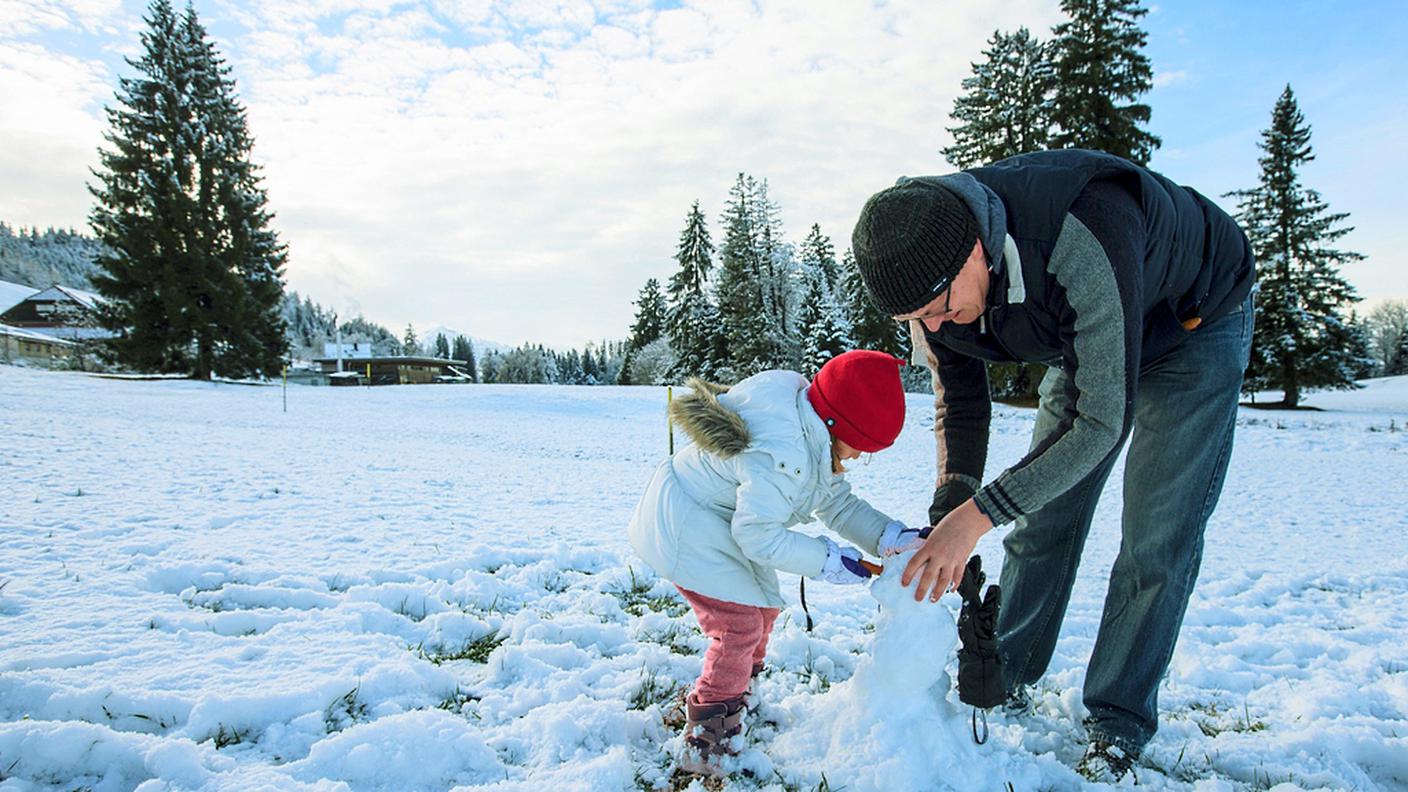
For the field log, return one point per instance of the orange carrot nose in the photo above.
(873, 569)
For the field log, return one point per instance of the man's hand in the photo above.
(938, 566)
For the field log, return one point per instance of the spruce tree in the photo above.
(410, 346)
(824, 327)
(650, 315)
(819, 256)
(1100, 73)
(692, 332)
(871, 328)
(1301, 340)
(1005, 108)
(442, 346)
(464, 350)
(753, 289)
(191, 273)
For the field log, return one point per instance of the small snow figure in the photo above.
(891, 726)
(715, 518)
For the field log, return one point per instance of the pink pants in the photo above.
(740, 639)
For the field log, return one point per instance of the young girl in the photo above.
(715, 518)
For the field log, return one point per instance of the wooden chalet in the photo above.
(392, 370)
(54, 327)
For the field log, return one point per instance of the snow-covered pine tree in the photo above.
(691, 320)
(822, 322)
(1100, 73)
(410, 346)
(754, 288)
(442, 346)
(1301, 339)
(650, 315)
(591, 371)
(192, 274)
(824, 326)
(1360, 348)
(871, 328)
(818, 256)
(1005, 108)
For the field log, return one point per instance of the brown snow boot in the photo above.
(707, 730)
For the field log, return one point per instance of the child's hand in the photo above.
(843, 565)
(899, 539)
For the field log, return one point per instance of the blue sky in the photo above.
(517, 170)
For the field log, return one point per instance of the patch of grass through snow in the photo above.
(476, 650)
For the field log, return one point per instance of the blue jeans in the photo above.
(1185, 410)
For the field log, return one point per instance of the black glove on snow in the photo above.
(980, 682)
(948, 497)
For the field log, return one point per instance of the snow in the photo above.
(1379, 395)
(407, 588)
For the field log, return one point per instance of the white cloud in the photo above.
(1166, 78)
(518, 170)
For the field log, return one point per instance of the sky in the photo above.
(518, 170)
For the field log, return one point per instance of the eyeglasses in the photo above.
(948, 309)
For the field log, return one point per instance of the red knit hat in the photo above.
(859, 397)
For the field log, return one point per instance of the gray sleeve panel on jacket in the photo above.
(1101, 328)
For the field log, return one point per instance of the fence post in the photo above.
(670, 422)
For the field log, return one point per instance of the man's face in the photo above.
(963, 301)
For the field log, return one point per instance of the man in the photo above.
(1136, 292)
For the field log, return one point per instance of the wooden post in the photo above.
(369, 375)
(670, 422)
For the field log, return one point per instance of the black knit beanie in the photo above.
(910, 242)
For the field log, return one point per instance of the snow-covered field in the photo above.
(409, 588)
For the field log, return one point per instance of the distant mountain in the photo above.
(426, 337)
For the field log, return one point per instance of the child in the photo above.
(715, 517)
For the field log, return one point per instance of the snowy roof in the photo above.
(12, 294)
(61, 292)
(74, 333)
(27, 334)
(393, 359)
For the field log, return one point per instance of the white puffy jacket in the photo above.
(715, 517)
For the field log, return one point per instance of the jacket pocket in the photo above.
(1163, 331)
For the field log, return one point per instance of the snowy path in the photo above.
(429, 588)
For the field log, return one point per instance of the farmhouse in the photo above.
(392, 370)
(21, 345)
(61, 312)
(54, 327)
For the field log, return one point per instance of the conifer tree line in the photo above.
(755, 301)
(1082, 89)
(40, 259)
(1079, 89)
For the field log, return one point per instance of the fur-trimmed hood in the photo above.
(716, 428)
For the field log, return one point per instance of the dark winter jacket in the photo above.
(1100, 267)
